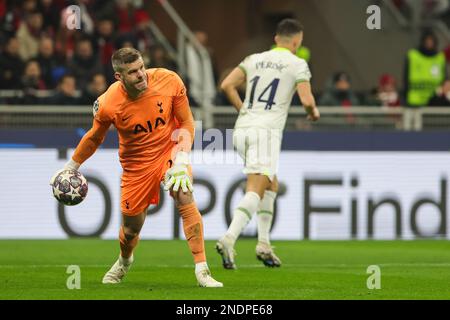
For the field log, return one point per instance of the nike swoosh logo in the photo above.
(125, 119)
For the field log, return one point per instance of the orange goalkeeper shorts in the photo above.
(139, 191)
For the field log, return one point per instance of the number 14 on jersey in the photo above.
(268, 94)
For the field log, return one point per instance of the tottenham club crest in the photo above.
(95, 108)
(159, 104)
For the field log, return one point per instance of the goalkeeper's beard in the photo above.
(136, 86)
(140, 85)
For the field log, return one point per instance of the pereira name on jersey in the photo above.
(272, 78)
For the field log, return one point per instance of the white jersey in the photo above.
(272, 78)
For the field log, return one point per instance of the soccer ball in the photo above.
(69, 187)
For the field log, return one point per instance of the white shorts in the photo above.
(260, 150)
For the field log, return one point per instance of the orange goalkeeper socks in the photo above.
(193, 230)
(127, 245)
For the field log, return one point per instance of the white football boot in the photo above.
(205, 279)
(264, 253)
(227, 252)
(118, 271)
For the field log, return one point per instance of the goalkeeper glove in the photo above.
(70, 165)
(178, 174)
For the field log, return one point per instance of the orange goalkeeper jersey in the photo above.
(146, 126)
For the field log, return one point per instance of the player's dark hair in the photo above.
(289, 27)
(124, 56)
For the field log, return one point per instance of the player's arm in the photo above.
(308, 101)
(231, 84)
(86, 148)
(90, 142)
(94, 137)
(186, 131)
(178, 175)
(88, 145)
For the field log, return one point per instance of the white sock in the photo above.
(201, 266)
(265, 216)
(242, 215)
(126, 261)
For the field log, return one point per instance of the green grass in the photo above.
(36, 269)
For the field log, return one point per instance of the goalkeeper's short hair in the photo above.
(124, 56)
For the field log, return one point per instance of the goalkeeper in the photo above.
(151, 113)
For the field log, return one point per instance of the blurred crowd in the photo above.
(424, 83)
(49, 63)
(53, 64)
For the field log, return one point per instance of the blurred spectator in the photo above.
(425, 70)
(66, 93)
(159, 58)
(442, 96)
(84, 63)
(65, 42)
(105, 46)
(127, 40)
(104, 8)
(203, 38)
(9, 18)
(32, 82)
(96, 87)
(105, 40)
(28, 7)
(49, 62)
(387, 93)
(339, 93)
(50, 10)
(32, 78)
(29, 34)
(201, 79)
(447, 55)
(125, 15)
(11, 65)
(143, 35)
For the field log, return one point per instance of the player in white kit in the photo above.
(272, 79)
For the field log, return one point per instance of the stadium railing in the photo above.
(332, 118)
(355, 118)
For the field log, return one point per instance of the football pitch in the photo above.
(37, 269)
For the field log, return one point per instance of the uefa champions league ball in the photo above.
(69, 187)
